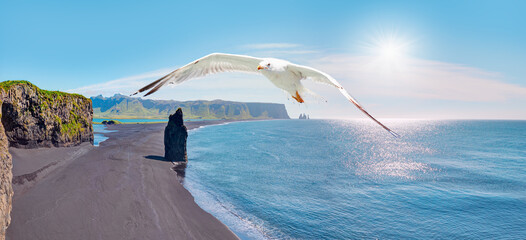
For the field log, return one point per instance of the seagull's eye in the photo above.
(268, 65)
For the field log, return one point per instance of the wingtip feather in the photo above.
(396, 135)
(155, 89)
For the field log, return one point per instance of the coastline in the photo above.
(122, 189)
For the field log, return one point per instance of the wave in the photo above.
(242, 224)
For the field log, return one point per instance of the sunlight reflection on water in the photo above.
(384, 155)
(350, 179)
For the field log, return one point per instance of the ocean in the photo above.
(131, 120)
(146, 120)
(98, 135)
(350, 179)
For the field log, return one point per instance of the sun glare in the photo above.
(388, 51)
(388, 46)
(391, 50)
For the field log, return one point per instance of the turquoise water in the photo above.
(98, 135)
(131, 120)
(143, 120)
(329, 179)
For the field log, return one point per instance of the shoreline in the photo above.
(121, 189)
(242, 227)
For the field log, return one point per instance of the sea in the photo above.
(350, 179)
(98, 134)
(100, 129)
(146, 120)
(132, 120)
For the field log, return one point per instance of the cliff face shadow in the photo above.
(158, 158)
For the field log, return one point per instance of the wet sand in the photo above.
(123, 189)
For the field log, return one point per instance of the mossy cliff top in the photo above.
(34, 117)
(6, 85)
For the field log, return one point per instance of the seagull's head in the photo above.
(271, 64)
(265, 64)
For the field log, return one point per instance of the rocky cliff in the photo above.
(175, 135)
(6, 190)
(120, 106)
(33, 117)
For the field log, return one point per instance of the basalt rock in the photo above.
(6, 190)
(33, 117)
(175, 135)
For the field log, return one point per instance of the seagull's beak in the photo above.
(260, 67)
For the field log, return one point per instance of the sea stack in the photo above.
(175, 135)
(304, 116)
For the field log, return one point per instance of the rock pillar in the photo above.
(175, 135)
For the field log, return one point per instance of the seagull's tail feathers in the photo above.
(351, 99)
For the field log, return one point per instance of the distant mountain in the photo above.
(120, 106)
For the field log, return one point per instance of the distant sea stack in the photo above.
(304, 116)
(120, 106)
(33, 117)
(175, 135)
(6, 190)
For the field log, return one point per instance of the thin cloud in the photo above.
(412, 78)
(260, 46)
(288, 51)
(285, 53)
(189, 90)
(407, 88)
(121, 85)
(417, 78)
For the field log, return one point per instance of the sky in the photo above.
(399, 59)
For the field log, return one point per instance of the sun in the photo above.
(387, 51)
(391, 50)
(388, 46)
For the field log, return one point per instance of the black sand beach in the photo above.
(122, 189)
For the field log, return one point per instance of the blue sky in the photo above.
(460, 59)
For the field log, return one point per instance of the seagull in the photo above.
(283, 74)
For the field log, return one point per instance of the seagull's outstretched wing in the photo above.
(305, 72)
(213, 63)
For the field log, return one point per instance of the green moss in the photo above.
(73, 126)
(44, 106)
(6, 85)
(71, 129)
